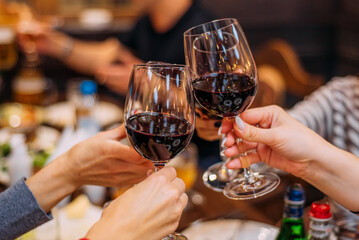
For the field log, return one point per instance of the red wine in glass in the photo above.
(225, 94)
(158, 137)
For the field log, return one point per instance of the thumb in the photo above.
(251, 133)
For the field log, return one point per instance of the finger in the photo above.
(179, 185)
(230, 140)
(113, 179)
(236, 163)
(232, 152)
(183, 200)
(226, 125)
(169, 172)
(117, 133)
(113, 166)
(262, 116)
(251, 133)
(131, 167)
(250, 145)
(118, 150)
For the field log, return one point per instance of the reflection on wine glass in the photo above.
(225, 83)
(186, 165)
(159, 113)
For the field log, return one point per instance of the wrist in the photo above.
(316, 169)
(67, 46)
(66, 172)
(61, 46)
(58, 184)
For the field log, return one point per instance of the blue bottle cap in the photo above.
(295, 193)
(88, 87)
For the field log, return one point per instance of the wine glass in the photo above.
(225, 83)
(159, 113)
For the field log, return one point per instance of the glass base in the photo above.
(216, 177)
(255, 186)
(175, 236)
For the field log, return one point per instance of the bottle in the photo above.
(292, 226)
(8, 51)
(87, 126)
(84, 106)
(320, 226)
(29, 85)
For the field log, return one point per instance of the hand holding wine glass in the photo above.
(128, 215)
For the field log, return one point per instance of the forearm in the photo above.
(335, 172)
(83, 56)
(51, 184)
(86, 57)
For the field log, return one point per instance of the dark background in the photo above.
(323, 33)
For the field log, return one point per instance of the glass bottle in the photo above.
(86, 127)
(320, 226)
(29, 85)
(84, 106)
(292, 226)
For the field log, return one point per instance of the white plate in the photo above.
(63, 114)
(231, 229)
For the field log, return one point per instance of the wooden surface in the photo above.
(266, 209)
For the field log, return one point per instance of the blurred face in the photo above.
(145, 6)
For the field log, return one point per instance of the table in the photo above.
(267, 209)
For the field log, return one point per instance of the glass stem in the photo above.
(169, 237)
(159, 166)
(249, 176)
(247, 172)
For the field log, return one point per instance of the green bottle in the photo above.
(292, 226)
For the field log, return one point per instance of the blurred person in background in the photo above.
(100, 160)
(158, 36)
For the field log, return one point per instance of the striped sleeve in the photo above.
(325, 111)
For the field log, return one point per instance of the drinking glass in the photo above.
(159, 113)
(8, 51)
(224, 79)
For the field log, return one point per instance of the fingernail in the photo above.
(240, 123)
(223, 142)
(218, 124)
(222, 153)
(149, 172)
(220, 131)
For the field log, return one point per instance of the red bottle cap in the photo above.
(320, 210)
